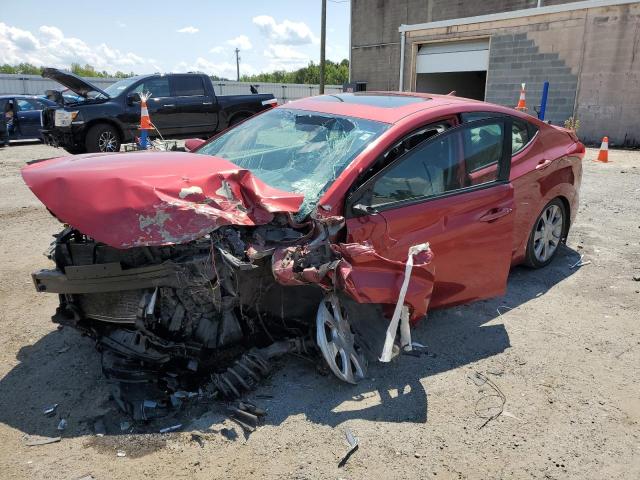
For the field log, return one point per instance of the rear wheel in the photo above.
(102, 138)
(547, 234)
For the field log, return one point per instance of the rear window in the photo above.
(522, 132)
(187, 86)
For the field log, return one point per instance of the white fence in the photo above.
(11, 84)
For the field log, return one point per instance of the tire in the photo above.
(548, 233)
(102, 137)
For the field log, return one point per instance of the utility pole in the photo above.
(323, 41)
(238, 64)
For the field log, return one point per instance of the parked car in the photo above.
(348, 214)
(26, 113)
(181, 105)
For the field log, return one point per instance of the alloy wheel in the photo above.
(548, 233)
(337, 341)
(107, 142)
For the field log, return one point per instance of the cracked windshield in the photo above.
(296, 150)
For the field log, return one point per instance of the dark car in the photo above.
(340, 217)
(21, 117)
(181, 106)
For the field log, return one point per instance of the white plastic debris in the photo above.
(401, 312)
(50, 410)
(172, 428)
(121, 453)
(62, 425)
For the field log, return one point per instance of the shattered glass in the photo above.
(296, 150)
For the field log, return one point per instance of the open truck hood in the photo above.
(72, 82)
(153, 198)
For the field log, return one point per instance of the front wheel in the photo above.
(102, 138)
(547, 234)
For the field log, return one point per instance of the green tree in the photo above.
(21, 68)
(335, 74)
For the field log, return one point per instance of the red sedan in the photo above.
(360, 211)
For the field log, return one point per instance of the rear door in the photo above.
(441, 192)
(196, 112)
(162, 105)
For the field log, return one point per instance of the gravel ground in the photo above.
(563, 347)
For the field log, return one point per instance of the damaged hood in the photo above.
(72, 82)
(153, 198)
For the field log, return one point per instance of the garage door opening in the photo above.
(465, 84)
(460, 66)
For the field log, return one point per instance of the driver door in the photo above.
(433, 193)
(161, 105)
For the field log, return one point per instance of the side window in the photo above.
(25, 105)
(482, 146)
(186, 86)
(158, 87)
(521, 134)
(428, 170)
(466, 156)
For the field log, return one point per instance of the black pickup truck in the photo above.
(181, 105)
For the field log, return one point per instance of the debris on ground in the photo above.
(489, 412)
(580, 263)
(171, 428)
(121, 453)
(99, 428)
(62, 424)
(199, 439)
(35, 441)
(354, 444)
(502, 306)
(50, 410)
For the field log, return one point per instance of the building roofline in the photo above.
(527, 12)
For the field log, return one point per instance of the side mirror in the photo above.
(361, 210)
(133, 98)
(193, 143)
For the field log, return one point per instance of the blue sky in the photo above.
(179, 35)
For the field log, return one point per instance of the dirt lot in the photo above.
(563, 346)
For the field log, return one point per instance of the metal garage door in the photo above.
(468, 56)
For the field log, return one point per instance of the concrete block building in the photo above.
(589, 51)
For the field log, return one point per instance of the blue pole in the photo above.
(543, 100)
(143, 140)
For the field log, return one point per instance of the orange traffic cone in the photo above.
(522, 103)
(603, 154)
(145, 121)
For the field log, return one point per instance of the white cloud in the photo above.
(217, 49)
(285, 33)
(242, 42)
(283, 57)
(284, 53)
(50, 47)
(189, 29)
(222, 69)
(121, 24)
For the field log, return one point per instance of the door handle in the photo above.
(168, 105)
(207, 103)
(543, 164)
(495, 213)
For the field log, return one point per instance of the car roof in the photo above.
(388, 107)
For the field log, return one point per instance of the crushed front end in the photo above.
(192, 282)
